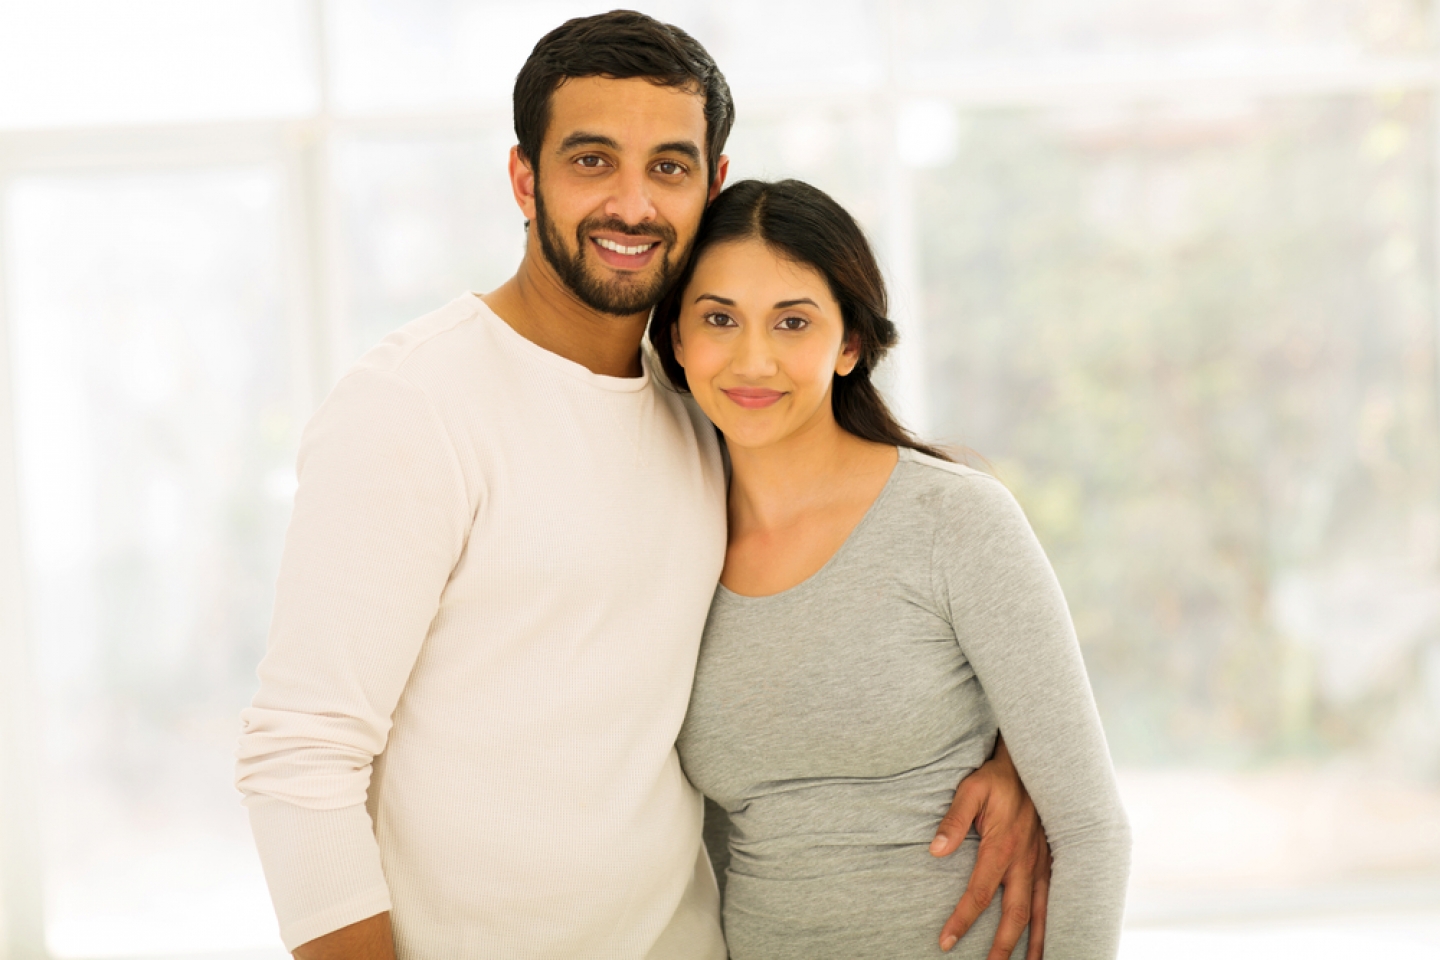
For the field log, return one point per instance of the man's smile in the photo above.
(626, 253)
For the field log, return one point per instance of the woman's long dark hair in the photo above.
(803, 224)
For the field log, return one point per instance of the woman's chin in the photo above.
(751, 437)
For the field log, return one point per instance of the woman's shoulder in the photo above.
(934, 481)
(959, 502)
(976, 528)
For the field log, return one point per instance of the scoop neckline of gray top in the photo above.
(905, 456)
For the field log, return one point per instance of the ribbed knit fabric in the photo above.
(485, 631)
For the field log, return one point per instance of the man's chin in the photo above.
(623, 295)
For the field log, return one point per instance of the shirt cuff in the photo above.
(322, 866)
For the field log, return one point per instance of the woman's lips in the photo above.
(752, 398)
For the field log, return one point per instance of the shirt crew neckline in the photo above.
(568, 367)
(820, 575)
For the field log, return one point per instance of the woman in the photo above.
(881, 611)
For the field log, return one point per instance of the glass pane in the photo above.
(1198, 342)
(440, 53)
(945, 31)
(422, 220)
(75, 62)
(156, 435)
(437, 53)
(824, 48)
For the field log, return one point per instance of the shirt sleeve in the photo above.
(381, 516)
(1013, 626)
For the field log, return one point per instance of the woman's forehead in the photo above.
(753, 264)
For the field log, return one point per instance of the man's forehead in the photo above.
(634, 112)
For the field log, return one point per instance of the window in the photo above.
(1169, 268)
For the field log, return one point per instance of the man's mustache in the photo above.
(657, 231)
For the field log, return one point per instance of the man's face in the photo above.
(619, 189)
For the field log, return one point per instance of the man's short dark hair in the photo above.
(620, 45)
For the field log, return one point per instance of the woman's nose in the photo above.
(754, 356)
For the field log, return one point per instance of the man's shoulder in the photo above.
(409, 350)
(419, 366)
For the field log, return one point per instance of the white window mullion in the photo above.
(22, 925)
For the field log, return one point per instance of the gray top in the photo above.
(832, 721)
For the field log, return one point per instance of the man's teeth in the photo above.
(628, 251)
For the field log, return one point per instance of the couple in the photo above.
(506, 545)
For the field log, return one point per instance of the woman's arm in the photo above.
(1011, 621)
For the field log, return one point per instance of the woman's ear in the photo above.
(849, 356)
(675, 344)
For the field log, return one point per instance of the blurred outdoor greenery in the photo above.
(1200, 348)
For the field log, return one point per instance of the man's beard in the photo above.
(616, 297)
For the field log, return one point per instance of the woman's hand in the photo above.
(1013, 851)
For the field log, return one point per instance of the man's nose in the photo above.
(631, 201)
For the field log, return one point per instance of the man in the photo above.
(503, 547)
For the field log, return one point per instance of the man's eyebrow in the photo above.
(716, 297)
(685, 148)
(795, 303)
(582, 139)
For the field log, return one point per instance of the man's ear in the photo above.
(522, 182)
(717, 183)
(676, 345)
(849, 356)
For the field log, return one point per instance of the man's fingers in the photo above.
(1039, 906)
(971, 905)
(1015, 902)
(956, 822)
(991, 864)
(1014, 917)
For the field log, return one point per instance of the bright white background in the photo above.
(1171, 268)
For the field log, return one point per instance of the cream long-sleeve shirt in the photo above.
(486, 627)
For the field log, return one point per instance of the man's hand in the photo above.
(367, 940)
(1013, 851)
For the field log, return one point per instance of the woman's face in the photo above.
(761, 339)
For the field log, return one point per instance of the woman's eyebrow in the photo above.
(716, 297)
(795, 303)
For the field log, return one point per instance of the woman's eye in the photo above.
(794, 323)
(719, 319)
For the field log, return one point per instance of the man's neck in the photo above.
(539, 307)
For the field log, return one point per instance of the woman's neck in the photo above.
(775, 486)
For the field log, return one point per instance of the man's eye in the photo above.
(669, 168)
(589, 161)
